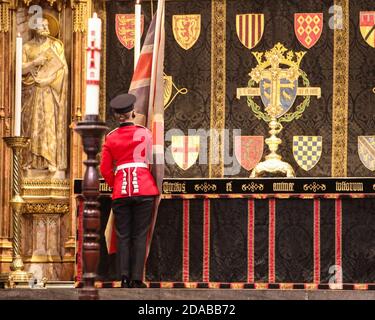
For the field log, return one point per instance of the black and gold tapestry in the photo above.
(332, 133)
(302, 233)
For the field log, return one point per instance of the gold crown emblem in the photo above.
(279, 55)
(273, 58)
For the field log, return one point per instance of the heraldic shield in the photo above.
(248, 150)
(250, 28)
(125, 29)
(367, 26)
(307, 151)
(288, 94)
(185, 150)
(366, 151)
(186, 29)
(308, 28)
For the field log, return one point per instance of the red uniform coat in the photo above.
(129, 144)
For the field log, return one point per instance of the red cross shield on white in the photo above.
(185, 150)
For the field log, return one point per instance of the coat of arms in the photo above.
(277, 73)
(248, 150)
(367, 26)
(185, 150)
(307, 151)
(308, 28)
(250, 28)
(366, 151)
(186, 29)
(125, 29)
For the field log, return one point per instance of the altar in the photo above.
(267, 136)
(293, 234)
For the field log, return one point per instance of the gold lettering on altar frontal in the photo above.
(170, 187)
(349, 186)
(283, 186)
(104, 187)
(229, 186)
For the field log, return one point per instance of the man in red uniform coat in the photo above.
(125, 166)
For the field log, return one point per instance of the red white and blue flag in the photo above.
(148, 86)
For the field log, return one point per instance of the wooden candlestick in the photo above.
(91, 130)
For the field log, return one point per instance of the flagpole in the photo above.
(138, 23)
(159, 15)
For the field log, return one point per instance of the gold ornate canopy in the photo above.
(59, 3)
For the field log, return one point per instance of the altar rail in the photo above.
(216, 239)
(259, 188)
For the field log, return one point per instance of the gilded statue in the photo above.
(44, 96)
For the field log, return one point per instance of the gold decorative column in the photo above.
(17, 276)
(6, 101)
(218, 75)
(81, 10)
(340, 94)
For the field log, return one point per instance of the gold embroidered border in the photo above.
(340, 94)
(218, 74)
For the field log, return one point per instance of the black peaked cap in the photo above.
(123, 103)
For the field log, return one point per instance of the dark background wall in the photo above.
(191, 69)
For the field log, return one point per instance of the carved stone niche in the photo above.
(45, 215)
(48, 243)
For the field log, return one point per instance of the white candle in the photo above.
(18, 96)
(137, 40)
(94, 34)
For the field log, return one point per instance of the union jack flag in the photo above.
(148, 86)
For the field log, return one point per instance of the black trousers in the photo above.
(132, 221)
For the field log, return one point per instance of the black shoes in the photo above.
(137, 284)
(125, 282)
